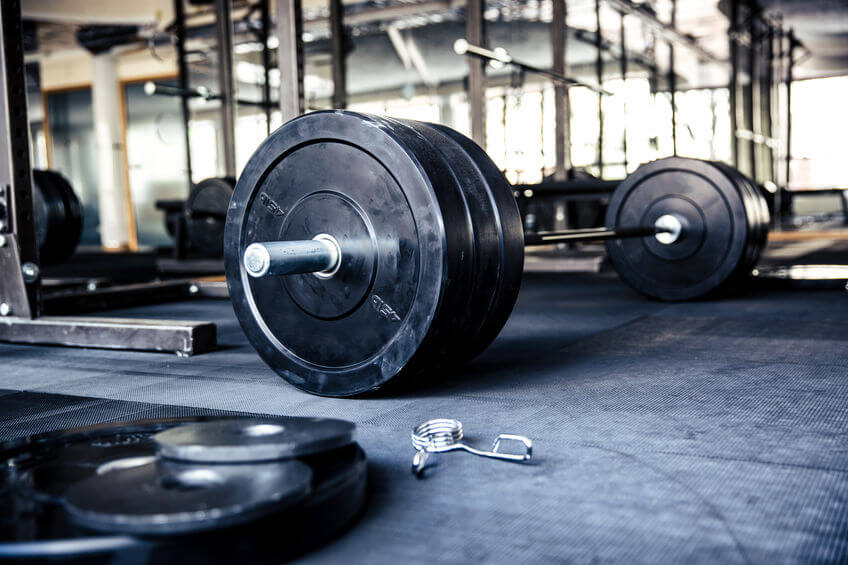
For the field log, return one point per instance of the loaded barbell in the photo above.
(362, 249)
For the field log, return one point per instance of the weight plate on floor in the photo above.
(43, 467)
(37, 527)
(379, 190)
(252, 440)
(57, 216)
(165, 497)
(714, 241)
(339, 489)
(35, 473)
(206, 213)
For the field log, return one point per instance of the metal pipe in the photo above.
(790, 68)
(752, 116)
(672, 81)
(157, 89)
(152, 88)
(265, 6)
(733, 87)
(226, 85)
(320, 255)
(664, 30)
(623, 64)
(339, 64)
(475, 34)
(599, 71)
(768, 105)
(599, 234)
(290, 58)
(562, 111)
(499, 55)
(183, 79)
(781, 185)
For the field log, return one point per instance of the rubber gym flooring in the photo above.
(709, 431)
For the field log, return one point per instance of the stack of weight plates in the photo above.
(431, 240)
(180, 490)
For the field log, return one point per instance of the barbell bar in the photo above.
(362, 250)
(321, 255)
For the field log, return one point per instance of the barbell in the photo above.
(360, 250)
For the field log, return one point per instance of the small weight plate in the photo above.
(48, 480)
(45, 466)
(249, 440)
(206, 213)
(338, 495)
(35, 473)
(712, 246)
(37, 528)
(166, 497)
(372, 186)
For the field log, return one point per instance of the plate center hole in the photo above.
(261, 430)
(125, 463)
(193, 479)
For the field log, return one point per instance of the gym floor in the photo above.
(707, 431)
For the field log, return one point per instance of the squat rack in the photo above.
(21, 319)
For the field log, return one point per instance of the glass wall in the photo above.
(72, 149)
(818, 133)
(520, 125)
(156, 157)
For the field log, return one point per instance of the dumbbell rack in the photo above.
(20, 284)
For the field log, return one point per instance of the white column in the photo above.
(112, 192)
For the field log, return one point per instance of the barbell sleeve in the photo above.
(320, 255)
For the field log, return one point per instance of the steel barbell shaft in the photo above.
(320, 255)
(590, 234)
(667, 229)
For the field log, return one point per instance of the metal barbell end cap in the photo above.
(257, 260)
(669, 228)
(321, 256)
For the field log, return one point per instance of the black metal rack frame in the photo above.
(21, 319)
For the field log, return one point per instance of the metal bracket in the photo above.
(13, 291)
